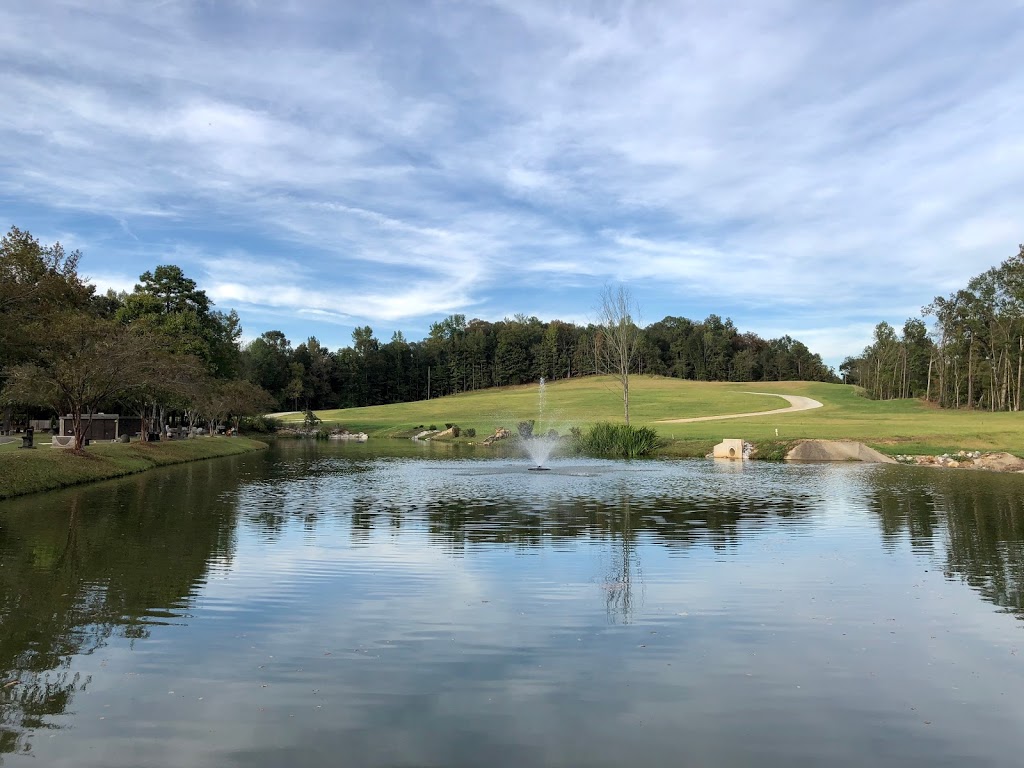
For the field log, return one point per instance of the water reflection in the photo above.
(972, 525)
(81, 567)
(314, 601)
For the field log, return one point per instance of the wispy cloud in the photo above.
(324, 166)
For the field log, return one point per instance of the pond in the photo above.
(412, 606)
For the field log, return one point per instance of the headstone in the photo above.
(26, 441)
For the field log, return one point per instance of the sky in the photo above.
(801, 167)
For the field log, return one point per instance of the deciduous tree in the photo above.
(620, 337)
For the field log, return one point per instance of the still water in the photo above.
(336, 605)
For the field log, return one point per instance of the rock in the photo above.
(1000, 461)
(499, 434)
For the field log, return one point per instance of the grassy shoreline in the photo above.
(46, 469)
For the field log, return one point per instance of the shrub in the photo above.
(432, 428)
(310, 420)
(448, 425)
(525, 429)
(260, 424)
(553, 434)
(471, 432)
(455, 430)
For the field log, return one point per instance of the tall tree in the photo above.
(265, 362)
(83, 363)
(620, 337)
(36, 280)
(170, 304)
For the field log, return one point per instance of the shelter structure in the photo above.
(104, 426)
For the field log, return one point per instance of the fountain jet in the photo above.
(539, 447)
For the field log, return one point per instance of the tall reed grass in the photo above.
(616, 440)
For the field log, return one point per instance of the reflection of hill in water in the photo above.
(972, 523)
(85, 565)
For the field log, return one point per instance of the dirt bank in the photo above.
(836, 450)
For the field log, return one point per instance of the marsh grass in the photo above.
(616, 440)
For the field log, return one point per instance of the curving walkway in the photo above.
(796, 403)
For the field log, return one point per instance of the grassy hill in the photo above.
(895, 426)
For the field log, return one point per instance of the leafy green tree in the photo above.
(265, 361)
(218, 401)
(36, 281)
(169, 304)
(83, 363)
(514, 354)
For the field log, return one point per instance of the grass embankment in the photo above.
(894, 426)
(45, 468)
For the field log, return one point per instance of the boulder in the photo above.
(1000, 462)
(499, 434)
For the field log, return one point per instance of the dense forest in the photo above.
(163, 348)
(971, 357)
(460, 356)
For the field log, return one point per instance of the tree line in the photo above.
(460, 355)
(965, 351)
(164, 349)
(68, 350)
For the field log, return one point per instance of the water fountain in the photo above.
(538, 447)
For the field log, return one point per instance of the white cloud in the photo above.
(784, 157)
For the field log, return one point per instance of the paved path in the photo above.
(796, 403)
(279, 414)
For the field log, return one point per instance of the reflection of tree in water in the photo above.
(73, 578)
(624, 572)
(458, 522)
(979, 515)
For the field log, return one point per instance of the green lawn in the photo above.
(46, 468)
(899, 426)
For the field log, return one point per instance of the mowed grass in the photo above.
(45, 468)
(576, 402)
(895, 426)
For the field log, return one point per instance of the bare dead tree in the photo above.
(620, 336)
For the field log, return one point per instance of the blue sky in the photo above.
(802, 167)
